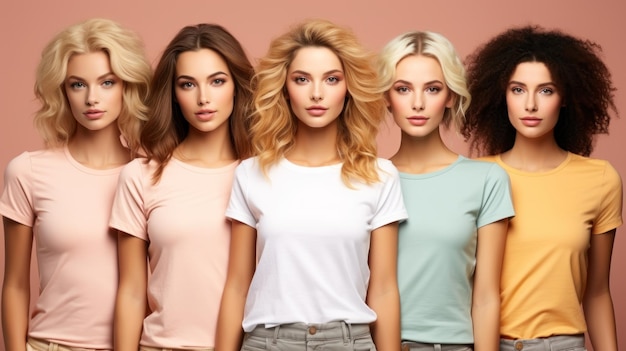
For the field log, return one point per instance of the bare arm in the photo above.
(382, 294)
(597, 301)
(18, 245)
(130, 305)
(486, 296)
(241, 267)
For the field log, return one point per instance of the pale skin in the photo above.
(90, 86)
(418, 99)
(535, 150)
(315, 78)
(204, 89)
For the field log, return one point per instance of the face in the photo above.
(419, 95)
(533, 101)
(94, 93)
(204, 89)
(316, 86)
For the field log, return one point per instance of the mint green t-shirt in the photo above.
(437, 246)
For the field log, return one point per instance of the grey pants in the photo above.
(418, 346)
(553, 343)
(334, 336)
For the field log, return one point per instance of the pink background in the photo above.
(26, 26)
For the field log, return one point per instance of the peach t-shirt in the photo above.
(68, 207)
(182, 218)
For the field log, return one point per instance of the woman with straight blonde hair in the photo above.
(92, 82)
(315, 207)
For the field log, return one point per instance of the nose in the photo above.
(418, 102)
(202, 97)
(317, 93)
(92, 98)
(531, 103)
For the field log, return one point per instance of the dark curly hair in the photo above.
(582, 78)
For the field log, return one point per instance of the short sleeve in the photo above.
(390, 206)
(496, 202)
(610, 211)
(128, 213)
(238, 208)
(16, 202)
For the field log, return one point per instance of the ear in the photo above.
(451, 100)
(387, 101)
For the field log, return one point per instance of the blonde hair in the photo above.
(54, 119)
(434, 45)
(273, 126)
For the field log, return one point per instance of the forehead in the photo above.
(203, 61)
(419, 68)
(88, 64)
(315, 59)
(531, 72)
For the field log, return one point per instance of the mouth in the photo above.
(205, 114)
(93, 113)
(316, 110)
(418, 120)
(531, 121)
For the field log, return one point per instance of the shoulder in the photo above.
(595, 167)
(26, 161)
(138, 168)
(386, 167)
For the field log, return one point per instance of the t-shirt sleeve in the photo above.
(16, 202)
(496, 202)
(238, 208)
(390, 206)
(610, 211)
(128, 213)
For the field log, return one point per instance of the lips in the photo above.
(316, 110)
(418, 120)
(205, 115)
(531, 121)
(93, 114)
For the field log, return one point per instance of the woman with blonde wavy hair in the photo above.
(451, 246)
(92, 82)
(315, 207)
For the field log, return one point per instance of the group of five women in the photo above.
(211, 205)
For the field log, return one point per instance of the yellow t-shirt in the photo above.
(545, 261)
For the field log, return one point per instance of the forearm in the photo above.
(486, 322)
(130, 312)
(600, 318)
(386, 328)
(229, 331)
(15, 317)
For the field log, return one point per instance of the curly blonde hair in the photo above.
(54, 118)
(273, 125)
(433, 45)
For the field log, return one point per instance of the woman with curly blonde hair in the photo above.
(92, 83)
(316, 204)
(449, 257)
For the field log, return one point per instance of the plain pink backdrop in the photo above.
(26, 26)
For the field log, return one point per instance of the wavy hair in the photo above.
(124, 49)
(167, 126)
(433, 45)
(273, 125)
(575, 65)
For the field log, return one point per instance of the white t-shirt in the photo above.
(313, 238)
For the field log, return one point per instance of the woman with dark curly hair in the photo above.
(539, 98)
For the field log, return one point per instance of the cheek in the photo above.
(185, 100)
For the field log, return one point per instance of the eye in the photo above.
(433, 90)
(300, 80)
(218, 82)
(186, 85)
(517, 90)
(403, 89)
(333, 80)
(547, 91)
(77, 85)
(108, 83)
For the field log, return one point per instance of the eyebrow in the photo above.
(218, 73)
(514, 82)
(325, 73)
(402, 81)
(101, 77)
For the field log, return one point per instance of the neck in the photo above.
(315, 147)
(207, 149)
(426, 154)
(101, 149)
(534, 155)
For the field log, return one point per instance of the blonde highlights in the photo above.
(124, 49)
(273, 126)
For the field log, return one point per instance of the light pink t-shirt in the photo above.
(182, 218)
(68, 206)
